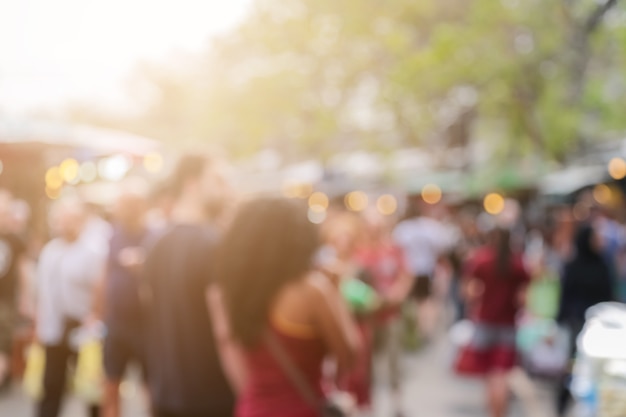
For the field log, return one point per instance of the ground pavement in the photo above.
(430, 390)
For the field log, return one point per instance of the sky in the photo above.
(54, 52)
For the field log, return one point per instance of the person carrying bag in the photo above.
(339, 404)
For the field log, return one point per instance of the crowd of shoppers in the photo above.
(249, 309)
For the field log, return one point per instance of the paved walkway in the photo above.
(430, 390)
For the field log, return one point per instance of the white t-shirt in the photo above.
(97, 231)
(67, 274)
(423, 240)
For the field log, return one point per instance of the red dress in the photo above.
(493, 343)
(269, 392)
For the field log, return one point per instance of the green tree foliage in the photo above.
(317, 77)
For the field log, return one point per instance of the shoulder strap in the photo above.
(290, 370)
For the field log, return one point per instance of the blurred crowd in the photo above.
(245, 307)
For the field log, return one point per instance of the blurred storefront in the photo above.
(39, 160)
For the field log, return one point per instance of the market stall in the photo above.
(39, 159)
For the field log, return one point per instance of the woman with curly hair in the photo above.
(278, 310)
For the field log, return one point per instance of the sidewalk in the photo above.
(430, 390)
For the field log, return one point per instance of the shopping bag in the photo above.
(543, 297)
(544, 347)
(530, 332)
(35, 368)
(361, 297)
(89, 375)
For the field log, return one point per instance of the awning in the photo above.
(100, 141)
(572, 179)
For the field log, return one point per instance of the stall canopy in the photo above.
(572, 179)
(100, 141)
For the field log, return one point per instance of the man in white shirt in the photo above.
(68, 270)
(424, 240)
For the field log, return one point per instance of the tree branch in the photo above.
(594, 20)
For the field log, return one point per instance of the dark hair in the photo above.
(583, 240)
(189, 167)
(501, 241)
(270, 244)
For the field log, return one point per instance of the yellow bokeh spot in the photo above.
(318, 202)
(387, 204)
(305, 190)
(54, 179)
(290, 191)
(69, 170)
(494, 203)
(431, 194)
(153, 163)
(297, 190)
(356, 201)
(617, 168)
(317, 217)
(602, 194)
(53, 193)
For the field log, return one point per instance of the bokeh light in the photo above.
(602, 194)
(54, 180)
(304, 190)
(290, 191)
(431, 194)
(69, 170)
(53, 193)
(153, 163)
(317, 217)
(293, 190)
(88, 172)
(387, 204)
(494, 203)
(318, 202)
(356, 201)
(617, 168)
(114, 168)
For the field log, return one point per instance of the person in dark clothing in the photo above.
(124, 342)
(586, 282)
(185, 374)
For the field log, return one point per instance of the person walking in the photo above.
(386, 263)
(185, 377)
(424, 240)
(586, 281)
(495, 281)
(67, 274)
(284, 316)
(343, 235)
(124, 341)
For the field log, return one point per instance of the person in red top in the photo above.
(269, 296)
(495, 281)
(343, 234)
(386, 264)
